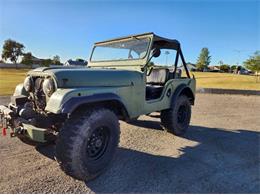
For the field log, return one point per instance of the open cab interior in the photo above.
(159, 59)
(166, 63)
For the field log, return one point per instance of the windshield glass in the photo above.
(135, 48)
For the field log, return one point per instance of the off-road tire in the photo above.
(73, 146)
(169, 118)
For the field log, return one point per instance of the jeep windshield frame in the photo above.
(130, 49)
(135, 63)
(139, 64)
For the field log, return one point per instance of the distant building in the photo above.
(213, 68)
(71, 62)
(242, 70)
(191, 67)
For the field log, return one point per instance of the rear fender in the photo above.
(183, 89)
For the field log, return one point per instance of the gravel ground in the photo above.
(219, 154)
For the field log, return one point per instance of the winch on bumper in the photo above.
(20, 127)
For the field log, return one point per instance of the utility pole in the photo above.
(167, 53)
(239, 51)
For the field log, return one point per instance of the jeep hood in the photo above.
(87, 77)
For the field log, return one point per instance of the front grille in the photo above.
(38, 95)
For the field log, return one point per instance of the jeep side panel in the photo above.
(164, 102)
(130, 96)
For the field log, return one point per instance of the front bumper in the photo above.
(17, 126)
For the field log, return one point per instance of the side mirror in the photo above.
(156, 52)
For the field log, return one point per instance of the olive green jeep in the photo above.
(78, 108)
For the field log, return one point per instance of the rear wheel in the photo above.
(177, 119)
(87, 142)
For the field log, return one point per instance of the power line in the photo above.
(239, 51)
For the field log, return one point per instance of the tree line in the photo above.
(12, 50)
(252, 63)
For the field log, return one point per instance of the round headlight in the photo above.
(48, 86)
(28, 84)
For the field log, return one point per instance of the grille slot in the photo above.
(39, 97)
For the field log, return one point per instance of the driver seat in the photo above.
(155, 82)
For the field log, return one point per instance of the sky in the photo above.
(68, 28)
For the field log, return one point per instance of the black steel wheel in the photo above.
(97, 143)
(182, 114)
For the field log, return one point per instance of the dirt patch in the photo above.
(219, 154)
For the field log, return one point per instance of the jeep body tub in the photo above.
(123, 84)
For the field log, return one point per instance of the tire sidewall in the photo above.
(81, 163)
(180, 128)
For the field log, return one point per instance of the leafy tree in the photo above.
(56, 60)
(80, 60)
(151, 63)
(224, 68)
(204, 59)
(27, 59)
(233, 67)
(12, 50)
(253, 64)
(46, 62)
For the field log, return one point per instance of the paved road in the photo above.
(219, 154)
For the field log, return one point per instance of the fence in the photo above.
(20, 66)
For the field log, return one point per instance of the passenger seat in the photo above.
(155, 82)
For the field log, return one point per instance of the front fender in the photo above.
(75, 102)
(58, 98)
(67, 100)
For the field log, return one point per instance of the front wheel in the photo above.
(176, 120)
(87, 142)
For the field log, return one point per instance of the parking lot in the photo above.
(219, 154)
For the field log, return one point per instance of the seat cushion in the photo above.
(158, 76)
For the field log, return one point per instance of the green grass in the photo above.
(9, 78)
(226, 81)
